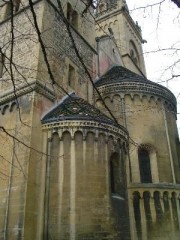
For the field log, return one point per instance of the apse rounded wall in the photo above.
(151, 123)
(80, 181)
(148, 111)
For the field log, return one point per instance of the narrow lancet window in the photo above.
(144, 165)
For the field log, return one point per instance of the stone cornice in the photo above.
(86, 126)
(18, 12)
(24, 89)
(141, 88)
(160, 186)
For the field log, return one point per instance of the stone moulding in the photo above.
(140, 89)
(84, 127)
(24, 89)
(163, 185)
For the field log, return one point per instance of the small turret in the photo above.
(114, 14)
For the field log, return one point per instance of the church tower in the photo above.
(148, 111)
(113, 17)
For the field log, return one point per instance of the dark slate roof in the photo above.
(73, 107)
(119, 74)
(177, 2)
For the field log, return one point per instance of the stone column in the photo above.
(153, 209)
(61, 180)
(42, 212)
(107, 172)
(143, 219)
(124, 112)
(84, 151)
(96, 150)
(171, 216)
(162, 202)
(72, 192)
(47, 190)
(178, 211)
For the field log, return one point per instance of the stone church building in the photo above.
(89, 148)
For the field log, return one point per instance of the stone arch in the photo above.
(101, 146)
(128, 96)
(107, 101)
(174, 209)
(158, 207)
(105, 28)
(134, 54)
(152, 99)
(115, 22)
(147, 208)
(90, 139)
(13, 106)
(53, 180)
(66, 138)
(5, 109)
(136, 98)
(159, 103)
(110, 24)
(144, 98)
(80, 158)
(99, 104)
(111, 146)
(137, 213)
(166, 201)
(117, 107)
(55, 140)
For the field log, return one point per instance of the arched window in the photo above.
(144, 165)
(111, 3)
(71, 76)
(134, 53)
(116, 171)
(1, 64)
(16, 4)
(112, 176)
(72, 16)
(11, 7)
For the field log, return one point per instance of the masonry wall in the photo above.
(61, 53)
(15, 153)
(151, 123)
(23, 50)
(79, 201)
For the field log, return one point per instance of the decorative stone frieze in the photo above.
(141, 89)
(86, 126)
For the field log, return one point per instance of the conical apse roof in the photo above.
(73, 107)
(119, 74)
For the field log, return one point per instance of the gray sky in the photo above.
(161, 28)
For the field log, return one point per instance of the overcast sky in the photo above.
(161, 29)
